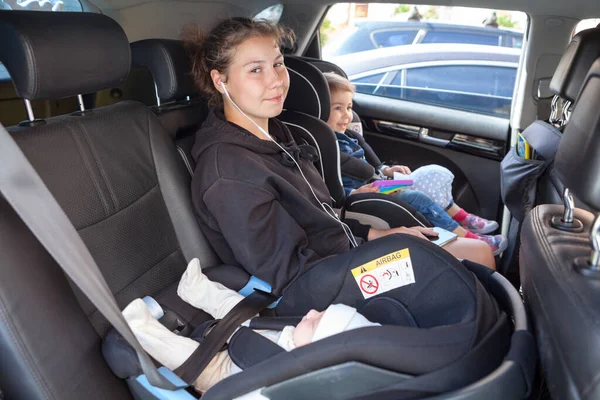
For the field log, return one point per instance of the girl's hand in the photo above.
(370, 188)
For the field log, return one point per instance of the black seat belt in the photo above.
(25, 191)
(220, 333)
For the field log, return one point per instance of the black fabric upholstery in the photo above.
(309, 93)
(368, 345)
(395, 212)
(575, 63)
(315, 132)
(325, 66)
(169, 64)
(43, 71)
(578, 157)
(320, 135)
(564, 304)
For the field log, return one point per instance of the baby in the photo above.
(196, 289)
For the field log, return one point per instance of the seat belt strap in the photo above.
(219, 335)
(25, 191)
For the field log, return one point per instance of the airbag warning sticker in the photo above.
(383, 274)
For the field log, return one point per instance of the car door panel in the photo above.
(468, 144)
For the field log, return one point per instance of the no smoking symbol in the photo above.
(369, 284)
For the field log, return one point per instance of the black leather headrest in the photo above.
(169, 64)
(325, 66)
(51, 55)
(575, 63)
(578, 157)
(309, 92)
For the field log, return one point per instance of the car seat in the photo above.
(526, 183)
(307, 109)
(559, 265)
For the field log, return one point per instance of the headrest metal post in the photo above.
(29, 110)
(157, 96)
(595, 240)
(567, 222)
(80, 101)
(569, 203)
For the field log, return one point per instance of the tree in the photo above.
(401, 9)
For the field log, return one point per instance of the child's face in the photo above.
(341, 110)
(306, 328)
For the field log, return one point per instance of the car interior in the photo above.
(98, 109)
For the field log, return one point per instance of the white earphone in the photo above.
(326, 207)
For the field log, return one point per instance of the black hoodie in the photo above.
(255, 208)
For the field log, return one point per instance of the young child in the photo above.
(196, 289)
(431, 193)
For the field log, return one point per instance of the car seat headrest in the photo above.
(575, 63)
(325, 66)
(577, 160)
(169, 64)
(309, 92)
(51, 55)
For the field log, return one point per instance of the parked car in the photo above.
(468, 77)
(370, 35)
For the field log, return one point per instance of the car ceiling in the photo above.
(579, 9)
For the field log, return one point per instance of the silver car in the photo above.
(468, 77)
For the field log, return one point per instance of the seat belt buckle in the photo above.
(255, 283)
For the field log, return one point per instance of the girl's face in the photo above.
(341, 110)
(257, 79)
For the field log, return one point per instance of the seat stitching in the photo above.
(185, 160)
(89, 168)
(99, 165)
(119, 211)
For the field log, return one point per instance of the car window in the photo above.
(483, 89)
(41, 5)
(272, 13)
(461, 37)
(456, 57)
(368, 84)
(394, 37)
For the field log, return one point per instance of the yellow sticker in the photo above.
(385, 273)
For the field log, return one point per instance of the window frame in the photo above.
(390, 73)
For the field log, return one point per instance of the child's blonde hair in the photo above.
(338, 83)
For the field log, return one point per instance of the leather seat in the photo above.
(568, 78)
(181, 110)
(560, 287)
(566, 83)
(117, 175)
